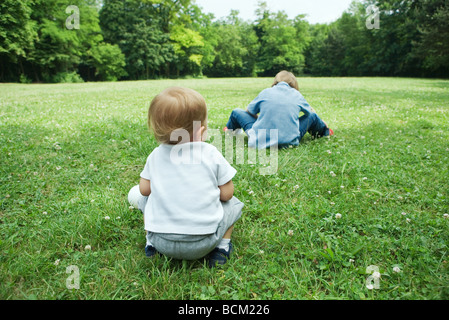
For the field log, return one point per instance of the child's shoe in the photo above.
(219, 256)
(150, 251)
(331, 132)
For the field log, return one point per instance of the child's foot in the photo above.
(150, 251)
(219, 256)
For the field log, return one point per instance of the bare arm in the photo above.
(145, 187)
(226, 191)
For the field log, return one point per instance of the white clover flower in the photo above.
(44, 213)
(131, 208)
(364, 178)
(404, 213)
(58, 168)
(408, 220)
(107, 218)
(342, 187)
(296, 187)
(446, 215)
(290, 232)
(396, 269)
(88, 247)
(57, 262)
(251, 192)
(338, 216)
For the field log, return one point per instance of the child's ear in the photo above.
(198, 133)
(203, 133)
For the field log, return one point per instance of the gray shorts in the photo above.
(192, 247)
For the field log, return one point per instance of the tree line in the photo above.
(150, 39)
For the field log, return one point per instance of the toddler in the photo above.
(278, 108)
(186, 189)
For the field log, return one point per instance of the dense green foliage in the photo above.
(147, 39)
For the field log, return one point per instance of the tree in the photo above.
(182, 21)
(314, 53)
(187, 45)
(281, 44)
(236, 48)
(432, 45)
(391, 45)
(108, 61)
(136, 27)
(17, 35)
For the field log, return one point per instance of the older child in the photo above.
(186, 189)
(278, 108)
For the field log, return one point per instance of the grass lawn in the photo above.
(71, 152)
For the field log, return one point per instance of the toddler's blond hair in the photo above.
(175, 108)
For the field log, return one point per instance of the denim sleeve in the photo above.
(254, 106)
(304, 105)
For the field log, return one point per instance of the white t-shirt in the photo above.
(185, 198)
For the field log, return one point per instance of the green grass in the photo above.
(70, 153)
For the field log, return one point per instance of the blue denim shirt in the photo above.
(278, 108)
